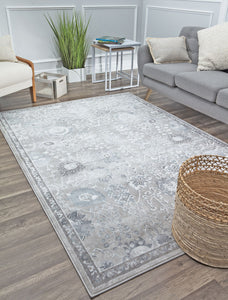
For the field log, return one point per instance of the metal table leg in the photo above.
(106, 77)
(93, 65)
(132, 66)
(121, 61)
(93, 68)
(110, 69)
(117, 62)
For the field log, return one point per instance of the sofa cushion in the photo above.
(13, 73)
(165, 73)
(222, 98)
(213, 48)
(190, 33)
(168, 50)
(204, 84)
(6, 49)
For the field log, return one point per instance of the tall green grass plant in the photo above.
(71, 38)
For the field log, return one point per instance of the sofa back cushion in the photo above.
(6, 49)
(168, 50)
(213, 48)
(190, 32)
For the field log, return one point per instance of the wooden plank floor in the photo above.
(34, 264)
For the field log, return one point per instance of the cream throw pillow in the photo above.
(168, 50)
(213, 48)
(6, 49)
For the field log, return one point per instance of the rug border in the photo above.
(46, 209)
(92, 291)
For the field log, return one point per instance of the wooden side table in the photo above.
(128, 45)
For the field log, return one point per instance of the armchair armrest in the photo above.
(27, 62)
(144, 57)
(30, 63)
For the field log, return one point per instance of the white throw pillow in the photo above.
(213, 48)
(168, 50)
(6, 49)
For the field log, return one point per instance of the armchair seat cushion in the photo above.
(165, 73)
(222, 98)
(13, 73)
(204, 84)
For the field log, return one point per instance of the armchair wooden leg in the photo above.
(148, 94)
(33, 87)
(33, 93)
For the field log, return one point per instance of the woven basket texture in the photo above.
(200, 223)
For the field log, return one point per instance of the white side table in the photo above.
(128, 45)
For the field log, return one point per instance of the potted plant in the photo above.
(71, 39)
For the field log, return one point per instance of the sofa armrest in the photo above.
(144, 57)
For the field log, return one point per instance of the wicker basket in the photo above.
(200, 222)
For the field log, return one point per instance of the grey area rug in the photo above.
(105, 171)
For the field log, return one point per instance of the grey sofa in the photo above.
(204, 91)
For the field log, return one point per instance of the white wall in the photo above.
(167, 17)
(118, 18)
(134, 19)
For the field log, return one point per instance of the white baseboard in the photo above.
(53, 70)
(56, 66)
(100, 63)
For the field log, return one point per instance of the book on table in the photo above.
(110, 40)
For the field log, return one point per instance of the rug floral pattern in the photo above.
(105, 171)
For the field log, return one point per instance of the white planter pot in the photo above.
(75, 75)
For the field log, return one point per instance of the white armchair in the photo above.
(16, 76)
(16, 73)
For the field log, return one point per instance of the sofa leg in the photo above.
(33, 93)
(148, 94)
